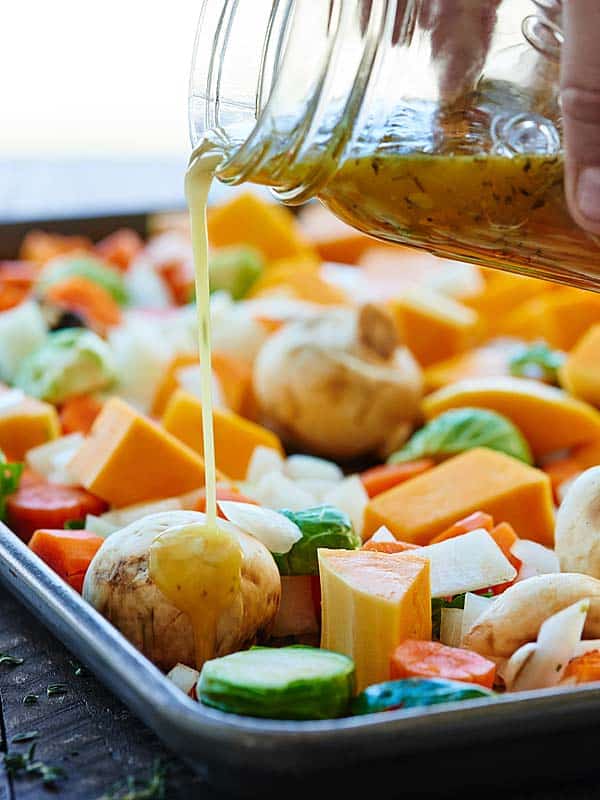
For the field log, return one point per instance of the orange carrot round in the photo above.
(390, 547)
(421, 659)
(77, 414)
(475, 521)
(379, 479)
(585, 668)
(37, 504)
(68, 553)
(120, 247)
(93, 302)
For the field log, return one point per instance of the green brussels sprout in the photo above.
(537, 361)
(93, 269)
(463, 429)
(235, 270)
(70, 362)
(321, 526)
(414, 692)
(294, 682)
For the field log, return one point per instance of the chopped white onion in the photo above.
(383, 534)
(316, 488)
(586, 646)
(99, 526)
(547, 660)
(537, 559)
(189, 378)
(451, 626)
(274, 530)
(185, 678)
(51, 460)
(10, 398)
(475, 605)
(350, 497)
(263, 461)
(125, 516)
(299, 467)
(275, 491)
(466, 563)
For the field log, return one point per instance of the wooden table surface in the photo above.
(86, 731)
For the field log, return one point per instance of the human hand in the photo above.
(581, 107)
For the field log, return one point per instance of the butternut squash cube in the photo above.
(478, 480)
(371, 602)
(333, 239)
(502, 294)
(233, 374)
(235, 437)
(25, 423)
(549, 418)
(560, 317)
(433, 326)
(249, 220)
(580, 374)
(298, 278)
(129, 459)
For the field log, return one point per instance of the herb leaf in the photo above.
(21, 764)
(25, 737)
(537, 361)
(11, 661)
(74, 525)
(134, 789)
(57, 689)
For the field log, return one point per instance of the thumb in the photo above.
(581, 108)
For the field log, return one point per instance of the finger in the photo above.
(461, 33)
(581, 108)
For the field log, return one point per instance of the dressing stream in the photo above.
(198, 567)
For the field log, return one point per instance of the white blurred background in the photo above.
(80, 78)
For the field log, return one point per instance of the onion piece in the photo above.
(274, 530)
(350, 496)
(276, 491)
(586, 646)
(537, 559)
(51, 460)
(475, 605)
(300, 466)
(383, 534)
(185, 678)
(451, 626)
(263, 461)
(546, 662)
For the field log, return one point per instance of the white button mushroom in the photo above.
(577, 535)
(517, 615)
(338, 385)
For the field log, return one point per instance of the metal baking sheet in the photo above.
(530, 737)
(241, 753)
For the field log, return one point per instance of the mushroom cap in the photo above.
(119, 586)
(577, 534)
(516, 616)
(338, 384)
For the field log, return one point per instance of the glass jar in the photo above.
(433, 123)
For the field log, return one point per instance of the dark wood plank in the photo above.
(87, 732)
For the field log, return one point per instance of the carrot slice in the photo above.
(224, 494)
(421, 659)
(379, 479)
(68, 553)
(86, 298)
(77, 414)
(390, 547)
(38, 504)
(585, 668)
(40, 246)
(475, 521)
(120, 248)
